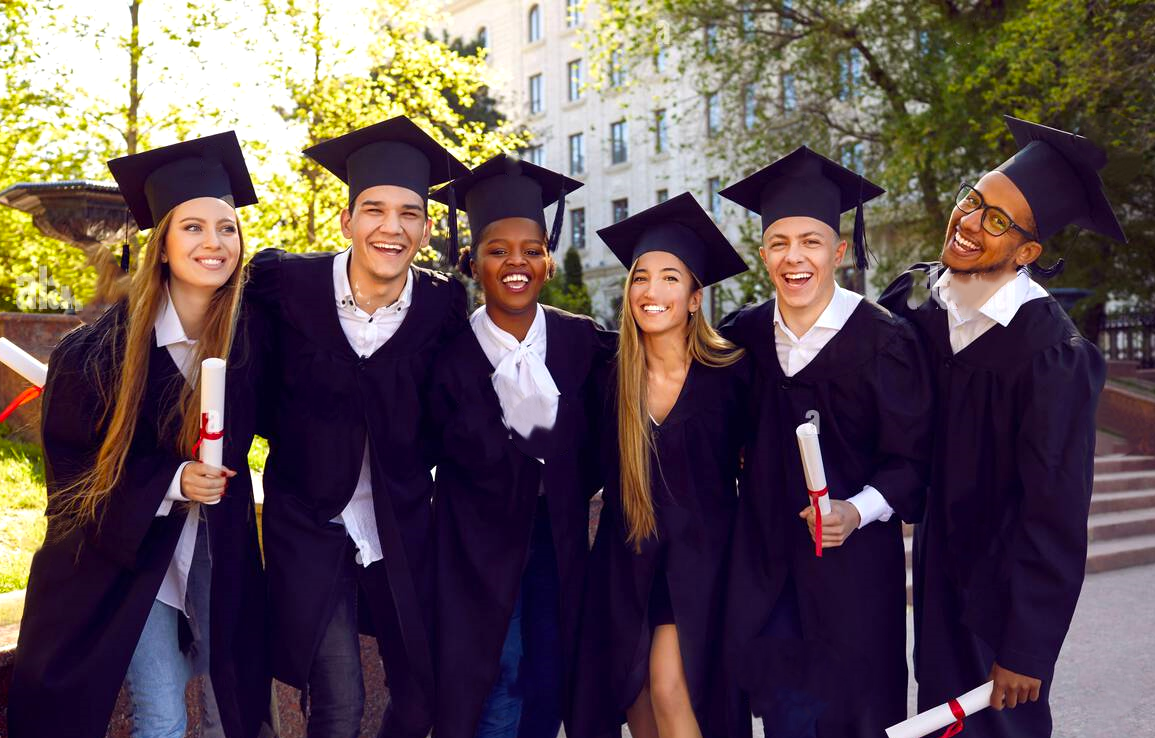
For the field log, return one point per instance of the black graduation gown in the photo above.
(1000, 555)
(488, 479)
(320, 401)
(841, 654)
(694, 480)
(90, 592)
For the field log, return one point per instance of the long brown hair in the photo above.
(130, 343)
(635, 439)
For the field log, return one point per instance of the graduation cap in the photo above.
(392, 152)
(503, 187)
(681, 227)
(808, 184)
(154, 182)
(1058, 174)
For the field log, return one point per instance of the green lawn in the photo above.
(22, 501)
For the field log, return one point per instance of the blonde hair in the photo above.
(130, 343)
(635, 438)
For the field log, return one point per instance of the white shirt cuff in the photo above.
(174, 494)
(871, 506)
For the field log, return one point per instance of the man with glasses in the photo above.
(1000, 554)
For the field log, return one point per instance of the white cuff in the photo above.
(871, 506)
(174, 494)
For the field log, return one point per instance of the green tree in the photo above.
(567, 290)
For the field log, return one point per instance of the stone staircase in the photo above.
(1121, 529)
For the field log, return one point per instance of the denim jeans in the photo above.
(159, 671)
(501, 713)
(336, 690)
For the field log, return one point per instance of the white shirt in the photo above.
(366, 333)
(967, 324)
(173, 588)
(521, 379)
(796, 352)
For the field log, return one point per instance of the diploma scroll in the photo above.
(23, 363)
(815, 474)
(212, 432)
(951, 714)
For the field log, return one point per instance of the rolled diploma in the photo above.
(935, 718)
(23, 363)
(213, 405)
(812, 463)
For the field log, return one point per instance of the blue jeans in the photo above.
(525, 701)
(336, 689)
(159, 671)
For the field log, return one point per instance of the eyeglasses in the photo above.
(995, 220)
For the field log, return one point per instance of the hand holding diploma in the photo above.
(951, 714)
(211, 442)
(27, 366)
(815, 474)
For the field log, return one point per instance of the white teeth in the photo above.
(653, 309)
(394, 247)
(515, 278)
(967, 245)
(798, 276)
(212, 262)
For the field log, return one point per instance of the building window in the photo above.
(535, 23)
(536, 102)
(662, 195)
(661, 132)
(789, 96)
(713, 187)
(573, 13)
(750, 107)
(660, 59)
(574, 75)
(577, 153)
(619, 145)
(621, 209)
(617, 68)
(535, 155)
(577, 228)
(483, 37)
(713, 114)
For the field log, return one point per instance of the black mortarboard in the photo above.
(1058, 174)
(681, 227)
(503, 187)
(154, 182)
(808, 184)
(392, 152)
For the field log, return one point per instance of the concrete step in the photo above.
(1120, 553)
(1106, 502)
(1123, 463)
(1110, 526)
(1124, 481)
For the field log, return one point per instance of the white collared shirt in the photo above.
(967, 324)
(524, 386)
(173, 588)
(795, 353)
(366, 333)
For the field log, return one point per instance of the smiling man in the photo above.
(349, 341)
(817, 644)
(999, 558)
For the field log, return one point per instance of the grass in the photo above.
(22, 501)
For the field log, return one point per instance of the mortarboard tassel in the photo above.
(558, 217)
(1050, 272)
(861, 250)
(451, 248)
(124, 252)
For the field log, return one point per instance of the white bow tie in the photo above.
(522, 381)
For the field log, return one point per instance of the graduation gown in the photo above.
(320, 401)
(694, 488)
(822, 640)
(90, 591)
(488, 480)
(1000, 555)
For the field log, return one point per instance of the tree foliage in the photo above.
(567, 290)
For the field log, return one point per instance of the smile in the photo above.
(654, 309)
(963, 245)
(797, 279)
(388, 248)
(516, 282)
(211, 262)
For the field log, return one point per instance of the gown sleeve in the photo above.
(74, 426)
(258, 342)
(905, 409)
(1047, 552)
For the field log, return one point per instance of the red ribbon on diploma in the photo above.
(205, 435)
(817, 520)
(957, 727)
(26, 396)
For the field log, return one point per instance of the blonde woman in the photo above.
(674, 433)
(139, 535)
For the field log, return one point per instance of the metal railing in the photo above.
(1129, 337)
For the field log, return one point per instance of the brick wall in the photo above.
(37, 334)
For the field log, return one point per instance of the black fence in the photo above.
(1129, 337)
